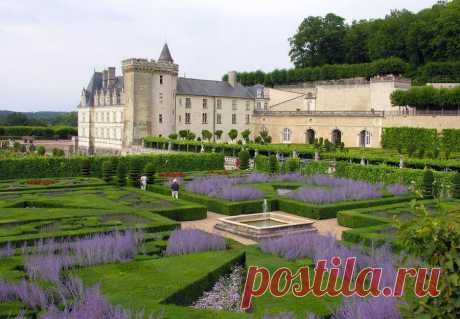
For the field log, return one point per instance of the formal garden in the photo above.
(79, 239)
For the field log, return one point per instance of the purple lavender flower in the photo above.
(397, 189)
(186, 241)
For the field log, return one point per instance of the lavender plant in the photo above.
(397, 189)
(226, 293)
(186, 241)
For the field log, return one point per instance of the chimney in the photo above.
(105, 75)
(111, 77)
(232, 78)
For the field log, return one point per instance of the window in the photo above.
(234, 105)
(161, 97)
(286, 135)
(205, 104)
(118, 99)
(107, 116)
(248, 118)
(364, 138)
(265, 106)
(180, 101)
(204, 118)
(259, 105)
(188, 102)
(219, 118)
(160, 118)
(219, 104)
(180, 119)
(187, 118)
(161, 79)
(259, 93)
(248, 106)
(233, 118)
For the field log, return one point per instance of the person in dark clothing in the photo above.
(175, 189)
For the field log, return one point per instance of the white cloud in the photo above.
(50, 47)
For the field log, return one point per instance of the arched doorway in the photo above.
(364, 138)
(336, 137)
(310, 136)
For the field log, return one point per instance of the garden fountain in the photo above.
(265, 225)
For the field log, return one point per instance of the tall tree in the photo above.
(319, 41)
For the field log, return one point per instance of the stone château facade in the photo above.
(117, 112)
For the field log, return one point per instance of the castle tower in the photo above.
(150, 89)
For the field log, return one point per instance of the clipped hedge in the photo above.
(189, 294)
(427, 96)
(330, 210)
(39, 167)
(185, 213)
(403, 137)
(63, 132)
(373, 236)
(451, 140)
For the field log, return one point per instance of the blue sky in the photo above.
(49, 48)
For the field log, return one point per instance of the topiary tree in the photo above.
(86, 167)
(233, 134)
(411, 149)
(273, 164)
(292, 164)
(245, 135)
(107, 171)
(218, 134)
(244, 159)
(190, 136)
(122, 171)
(58, 152)
(149, 171)
(427, 183)
(41, 150)
(134, 172)
(207, 135)
(456, 185)
(183, 134)
(173, 136)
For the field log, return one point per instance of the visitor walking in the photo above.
(175, 189)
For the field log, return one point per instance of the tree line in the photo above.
(37, 119)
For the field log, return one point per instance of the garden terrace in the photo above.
(31, 215)
(376, 226)
(49, 183)
(317, 196)
(447, 141)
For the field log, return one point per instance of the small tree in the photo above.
(427, 184)
(41, 150)
(183, 134)
(266, 139)
(86, 167)
(258, 140)
(218, 134)
(273, 164)
(245, 135)
(233, 134)
(207, 135)
(122, 171)
(134, 172)
(107, 171)
(456, 186)
(149, 171)
(172, 136)
(244, 159)
(190, 136)
(293, 164)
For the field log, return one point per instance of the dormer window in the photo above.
(260, 93)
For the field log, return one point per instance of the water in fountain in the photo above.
(265, 208)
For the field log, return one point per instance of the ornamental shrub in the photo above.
(411, 148)
(107, 171)
(427, 184)
(292, 164)
(41, 150)
(149, 171)
(122, 171)
(456, 186)
(273, 164)
(58, 152)
(244, 159)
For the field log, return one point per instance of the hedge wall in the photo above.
(63, 132)
(439, 72)
(184, 213)
(402, 137)
(451, 140)
(372, 236)
(427, 96)
(40, 167)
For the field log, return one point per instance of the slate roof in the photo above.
(96, 83)
(187, 86)
(165, 55)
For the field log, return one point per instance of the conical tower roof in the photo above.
(165, 55)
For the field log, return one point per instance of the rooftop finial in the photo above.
(165, 55)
